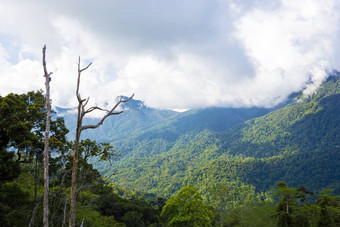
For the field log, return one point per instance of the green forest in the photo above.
(298, 143)
(242, 167)
(177, 113)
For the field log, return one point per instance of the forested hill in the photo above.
(140, 122)
(137, 117)
(217, 151)
(298, 143)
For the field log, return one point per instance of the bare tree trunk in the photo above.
(57, 200)
(64, 212)
(47, 134)
(33, 214)
(81, 113)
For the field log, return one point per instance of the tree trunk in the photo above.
(47, 133)
(64, 212)
(73, 196)
(81, 113)
(33, 214)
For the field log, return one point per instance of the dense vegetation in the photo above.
(211, 167)
(298, 143)
(22, 122)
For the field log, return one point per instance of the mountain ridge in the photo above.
(163, 166)
(162, 150)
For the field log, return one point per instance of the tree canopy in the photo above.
(187, 209)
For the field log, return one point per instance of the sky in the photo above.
(177, 54)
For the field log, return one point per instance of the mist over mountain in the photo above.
(255, 140)
(298, 143)
(136, 117)
(141, 121)
(163, 150)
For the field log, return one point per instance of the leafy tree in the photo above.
(133, 218)
(290, 210)
(22, 126)
(261, 213)
(245, 196)
(220, 197)
(14, 205)
(330, 208)
(287, 198)
(187, 209)
(9, 169)
(306, 215)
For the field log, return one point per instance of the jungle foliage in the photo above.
(21, 190)
(297, 143)
(277, 169)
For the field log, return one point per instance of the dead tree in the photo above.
(82, 111)
(46, 138)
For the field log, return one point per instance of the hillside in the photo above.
(141, 122)
(298, 143)
(137, 117)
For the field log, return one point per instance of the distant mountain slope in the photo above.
(136, 117)
(299, 143)
(139, 122)
(315, 170)
(305, 125)
(213, 118)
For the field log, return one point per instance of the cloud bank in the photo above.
(171, 54)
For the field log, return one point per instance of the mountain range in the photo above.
(162, 150)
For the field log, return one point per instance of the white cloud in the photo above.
(171, 54)
(287, 44)
(16, 77)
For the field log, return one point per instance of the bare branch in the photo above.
(61, 185)
(83, 69)
(33, 214)
(89, 110)
(113, 174)
(75, 156)
(63, 177)
(46, 74)
(121, 101)
(80, 188)
(78, 81)
(87, 100)
(100, 122)
(110, 113)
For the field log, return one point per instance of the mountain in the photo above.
(163, 150)
(139, 122)
(298, 143)
(136, 117)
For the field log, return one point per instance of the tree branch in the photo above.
(75, 156)
(89, 110)
(87, 100)
(46, 74)
(110, 113)
(78, 81)
(83, 69)
(113, 174)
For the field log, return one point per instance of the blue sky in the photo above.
(176, 54)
